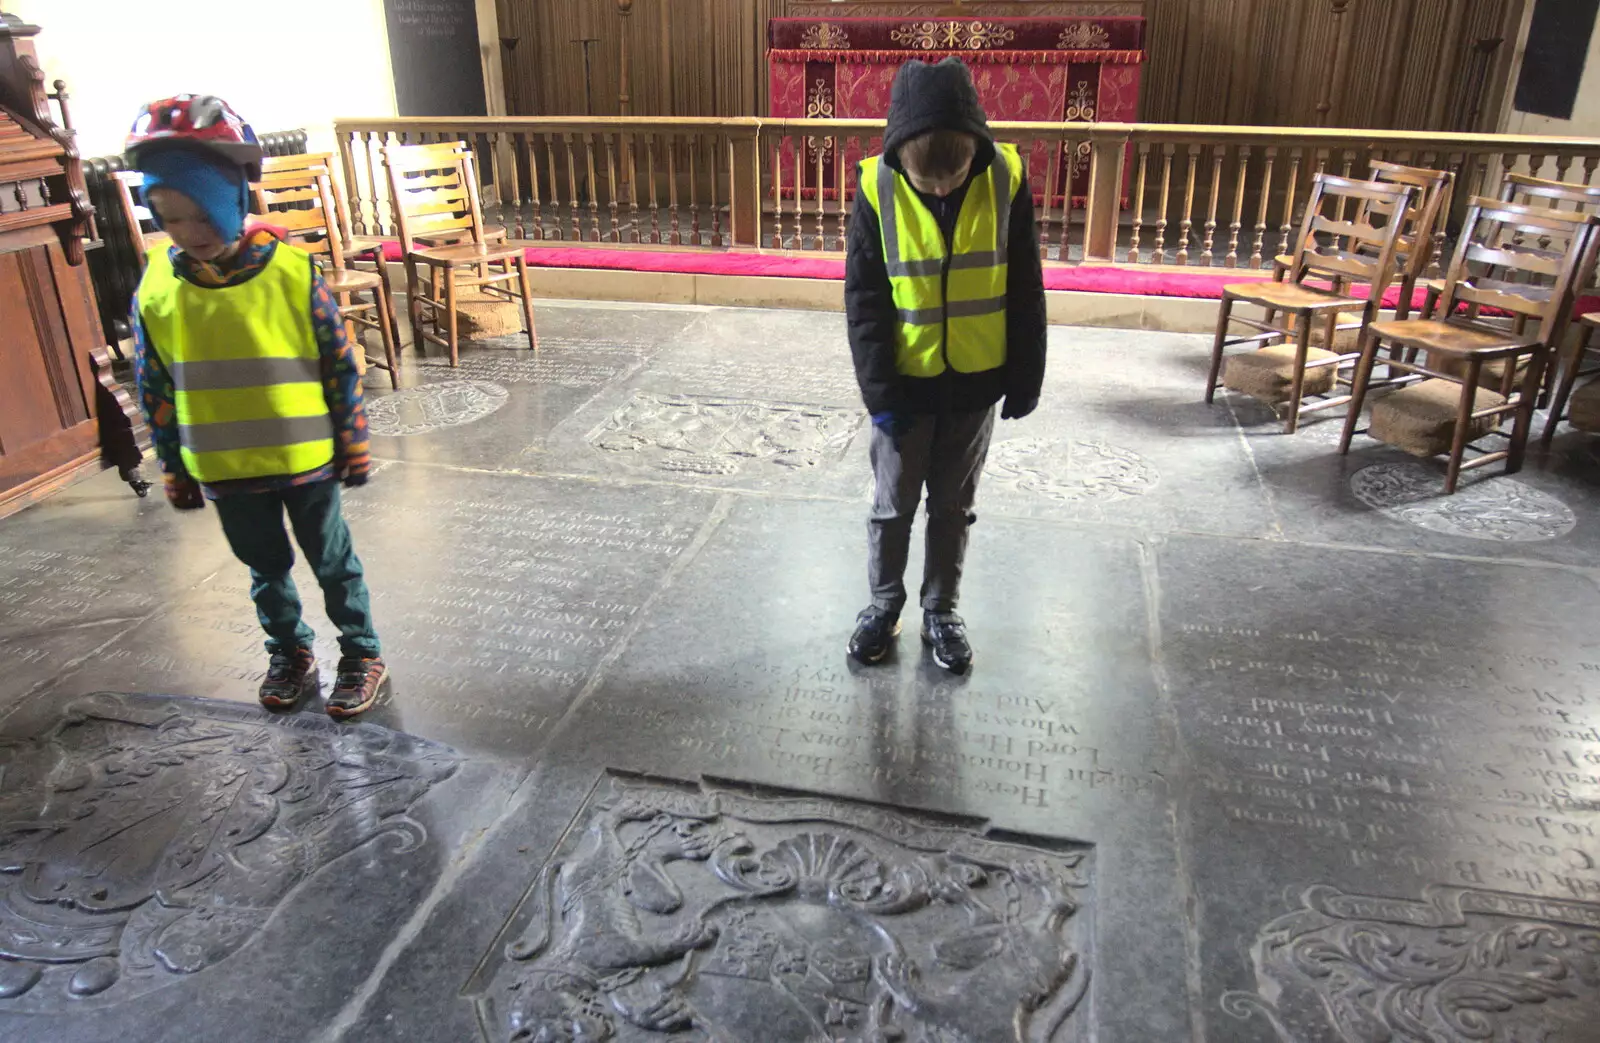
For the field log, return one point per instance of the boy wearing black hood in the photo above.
(945, 299)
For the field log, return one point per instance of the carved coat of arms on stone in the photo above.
(719, 436)
(675, 913)
(1071, 471)
(143, 840)
(1461, 964)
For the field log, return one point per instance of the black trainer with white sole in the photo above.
(946, 635)
(876, 630)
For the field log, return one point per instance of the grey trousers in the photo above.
(946, 453)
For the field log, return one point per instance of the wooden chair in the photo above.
(1564, 197)
(1420, 236)
(434, 191)
(143, 242)
(1428, 416)
(1571, 370)
(300, 198)
(1285, 373)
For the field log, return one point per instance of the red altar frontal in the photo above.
(1046, 69)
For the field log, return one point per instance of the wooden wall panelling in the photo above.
(1210, 61)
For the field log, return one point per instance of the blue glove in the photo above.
(895, 425)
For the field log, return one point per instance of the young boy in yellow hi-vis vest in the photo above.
(252, 392)
(945, 300)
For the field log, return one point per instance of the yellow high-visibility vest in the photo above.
(246, 368)
(952, 301)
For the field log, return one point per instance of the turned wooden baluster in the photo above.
(533, 183)
(1232, 258)
(1052, 175)
(1138, 202)
(1206, 256)
(821, 229)
(1345, 172)
(611, 182)
(1188, 205)
(1159, 254)
(1535, 165)
(712, 167)
(572, 189)
(630, 150)
(777, 193)
(380, 226)
(650, 175)
(1271, 157)
(840, 174)
(799, 192)
(691, 147)
(510, 145)
(1296, 154)
(1066, 204)
(1589, 164)
(676, 236)
(347, 156)
(594, 187)
(1564, 164)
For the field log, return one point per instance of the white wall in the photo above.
(1585, 121)
(287, 64)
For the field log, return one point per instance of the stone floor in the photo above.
(1262, 743)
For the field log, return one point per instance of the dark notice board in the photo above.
(1558, 46)
(433, 47)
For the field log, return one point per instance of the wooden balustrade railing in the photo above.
(1162, 194)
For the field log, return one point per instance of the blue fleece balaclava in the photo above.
(217, 187)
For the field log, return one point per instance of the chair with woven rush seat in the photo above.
(1288, 368)
(1437, 410)
(1420, 237)
(300, 199)
(434, 191)
(1582, 411)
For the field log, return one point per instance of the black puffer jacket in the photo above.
(930, 97)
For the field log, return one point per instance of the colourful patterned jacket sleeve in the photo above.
(157, 397)
(341, 382)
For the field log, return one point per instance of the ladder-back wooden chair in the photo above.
(300, 199)
(1573, 362)
(1339, 251)
(434, 192)
(1563, 197)
(1420, 238)
(1439, 410)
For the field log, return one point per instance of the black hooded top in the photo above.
(934, 97)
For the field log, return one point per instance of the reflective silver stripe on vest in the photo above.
(255, 434)
(923, 316)
(226, 374)
(971, 309)
(1000, 182)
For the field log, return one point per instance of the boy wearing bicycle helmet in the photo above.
(252, 391)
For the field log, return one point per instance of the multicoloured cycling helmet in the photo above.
(197, 121)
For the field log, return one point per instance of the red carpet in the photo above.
(1201, 284)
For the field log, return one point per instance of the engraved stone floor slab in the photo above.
(582, 350)
(1261, 745)
(162, 857)
(1379, 496)
(1416, 775)
(671, 911)
(501, 593)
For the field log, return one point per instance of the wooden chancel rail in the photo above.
(1158, 194)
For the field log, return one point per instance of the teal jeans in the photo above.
(253, 523)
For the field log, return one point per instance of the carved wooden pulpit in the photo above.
(56, 388)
